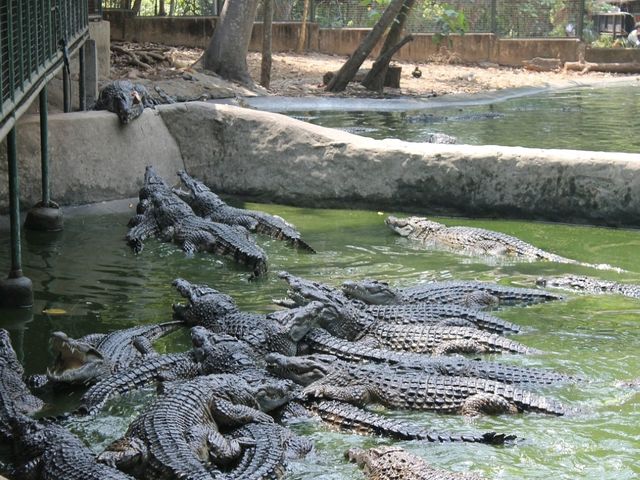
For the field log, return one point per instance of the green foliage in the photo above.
(447, 20)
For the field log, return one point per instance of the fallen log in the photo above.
(540, 64)
(584, 67)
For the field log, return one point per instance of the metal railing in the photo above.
(36, 36)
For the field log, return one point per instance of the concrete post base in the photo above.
(16, 292)
(45, 218)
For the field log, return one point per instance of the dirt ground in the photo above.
(179, 74)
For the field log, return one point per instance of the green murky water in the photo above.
(89, 272)
(601, 119)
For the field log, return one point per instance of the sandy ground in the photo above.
(301, 75)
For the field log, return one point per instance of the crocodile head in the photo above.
(302, 291)
(366, 459)
(221, 353)
(299, 320)
(413, 227)
(370, 291)
(303, 370)
(126, 102)
(76, 361)
(203, 303)
(271, 393)
(8, 356)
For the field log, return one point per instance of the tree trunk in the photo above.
(584, 67)
(282, 9)
(375, 79)
(172, 8)
(161, 10)
(265, 66)
(302, 39)
(339, 82)
(226, 54)
(136, 7)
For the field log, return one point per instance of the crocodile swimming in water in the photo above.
(93, 357)
(15, 397)
(407, 388)
(395, 463)
(127, 100)
(342, 318)
(475, 241)
(179, 432)
(417, 313)
(320, 341)
(47, 451)
(275, 332)
(172, 220)
(469, 293)
(590, 285)
(207, 204)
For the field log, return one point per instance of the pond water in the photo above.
(99, 285)
(599, 119)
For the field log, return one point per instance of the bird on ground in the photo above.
(417, 73)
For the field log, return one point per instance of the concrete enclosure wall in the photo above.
(471, 47)
(273, 158)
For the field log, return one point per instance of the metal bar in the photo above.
(82, 91)
(580, 20)
(14, 205)
(10, 51)
(494, 16)
(66, 90)
(44, 145)
(20, 49)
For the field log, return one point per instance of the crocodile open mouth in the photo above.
(75, 361)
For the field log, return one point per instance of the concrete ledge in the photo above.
(273, 158)
(93, 157)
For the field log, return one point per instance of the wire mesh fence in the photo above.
(506, 18)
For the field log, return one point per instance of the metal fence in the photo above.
(506, 18)
(34, 35)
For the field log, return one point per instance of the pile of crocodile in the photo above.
(223, 406)
(198, 220)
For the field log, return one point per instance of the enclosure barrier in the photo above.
(37, 38)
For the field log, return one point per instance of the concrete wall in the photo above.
(273, 158)
(472, 47)
(612, 55)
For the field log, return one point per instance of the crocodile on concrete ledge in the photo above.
(207, 204)
(475, 241)
(175, 435)
(590, 285)
(395, 463)
(127, 100)
(458, 292)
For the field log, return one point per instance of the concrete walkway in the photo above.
(273, 158)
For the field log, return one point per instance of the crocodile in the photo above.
(266, 460)
(322, 342)
(47, 451)
(179, 432)
(340, 317)
(95, 356)
(15, 397)
(172, 219)
(459, 292)
(406, 388)
(152, 184)
(127, 100)
(590, 285)
(421, 313)
(207, 204)
(395, 463)
(475, 241)
(211, 353)
(276, 332)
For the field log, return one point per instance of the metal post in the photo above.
(313, 11)
(14, 205)
(44, 145)
(66, 90)
(82, 102)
